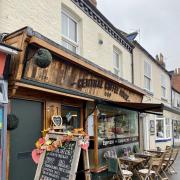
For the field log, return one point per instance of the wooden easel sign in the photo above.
(60, 164)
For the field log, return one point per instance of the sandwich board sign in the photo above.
(60, 164)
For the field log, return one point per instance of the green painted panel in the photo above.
(22, 139)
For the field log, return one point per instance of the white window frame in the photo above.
(163, 86)
(115, 68)
(148, 77)
(165, 126)
(71, 15)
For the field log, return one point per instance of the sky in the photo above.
(158, 22)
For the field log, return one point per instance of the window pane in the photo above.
(147, 69)
(147, 82)
(64, 24)
(160, 128)
(116, 123)
(163, 91)
(116, 59)
(72, 30)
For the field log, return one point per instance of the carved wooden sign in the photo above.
(63, 74)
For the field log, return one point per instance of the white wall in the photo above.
(45, 17)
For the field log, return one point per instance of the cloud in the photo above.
(158, 21)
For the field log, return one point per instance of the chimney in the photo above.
(160, 59)
(94, 2)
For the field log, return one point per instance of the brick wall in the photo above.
(176, 79)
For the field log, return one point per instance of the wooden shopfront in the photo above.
(85, 95)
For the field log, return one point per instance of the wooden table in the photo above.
(133, 163)
(146, 155)
(155, 151)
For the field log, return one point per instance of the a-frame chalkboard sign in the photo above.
(60, 164)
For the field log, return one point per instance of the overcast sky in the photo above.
(157, 20)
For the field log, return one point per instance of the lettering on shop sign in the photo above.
(59, 164)
(109, 87)
(117, 141)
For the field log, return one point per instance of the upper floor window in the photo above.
(69, 28)
(163, 86)
(147, 76)
(117, 62)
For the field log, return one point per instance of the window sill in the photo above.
(164, 99)
(163, 140)
(149, 92)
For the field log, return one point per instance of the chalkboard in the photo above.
(60, 164)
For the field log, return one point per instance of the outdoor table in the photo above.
(145, 154)
(158, 152)
(134, 163)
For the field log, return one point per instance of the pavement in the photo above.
(177, 168)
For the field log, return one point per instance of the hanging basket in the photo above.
(42, 58)
(12, 121)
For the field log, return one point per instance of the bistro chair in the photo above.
(115, 166)
(169, 168)
(157, 166)
(147, 173)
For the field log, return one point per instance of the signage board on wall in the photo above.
(63, 74)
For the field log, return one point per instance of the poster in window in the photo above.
(152, 127)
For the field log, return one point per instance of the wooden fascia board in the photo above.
(75, 60)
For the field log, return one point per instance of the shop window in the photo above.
(147, 76)
(71, 117)
(163, 86)
(160, 133)
(117, 62)
(163, 127)
(116, 123)
(69, 31)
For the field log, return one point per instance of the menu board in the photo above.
(60, 164)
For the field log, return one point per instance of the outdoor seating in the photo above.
(157, 166)
(147, 173)
(115, 166)
(169, 168)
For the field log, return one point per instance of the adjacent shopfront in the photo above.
(5, 52)
(49, 80)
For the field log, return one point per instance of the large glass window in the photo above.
(69, 28)
(116, 122)
(147, 76)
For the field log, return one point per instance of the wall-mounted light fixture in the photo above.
(100, 41)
